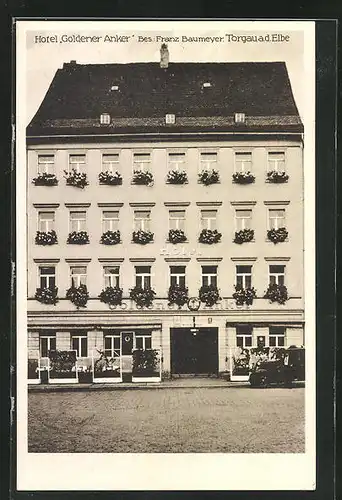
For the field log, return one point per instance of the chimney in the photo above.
(164, 56)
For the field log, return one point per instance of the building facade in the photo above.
(181, 178)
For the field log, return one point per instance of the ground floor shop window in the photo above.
(112, 346)
(276, 336)
(47, 342)
(79, 343)
(143, 341)
(244, 336)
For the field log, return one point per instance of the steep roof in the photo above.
(137, 97)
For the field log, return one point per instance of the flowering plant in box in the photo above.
(45, 179)
(142, 237)
(176, 236)
(277, 177)
(110, 238)
(276, 293)
(244, 236)
(109, 178)
(209, 236)
(243, 177)
(209, 294)
(244, 295)
(208, 177)
(78, 295)
(178, 294)
(142, 178)
(277, 235)
(143, 297)
(78, 238)
(47, 295)
(77, 179)
(111, 295)
(177, 177)
(46, 238)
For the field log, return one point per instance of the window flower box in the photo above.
(276, 293)
(142, 178)
(46, 238)
(110, 238)
(277, 177)
(145, 363)
(177, 177)
(277, 235)
(209, 295)
(244, 236)
(176, 236)
(142, 237)
(243, 177)
(111, 296)
(208, 177)
(209, 236)
(76, 179)
(47, 295)
(244, 295)
(178, 295)
(78, 238)
(110, 179)
(143, 297)
(45, 179)
(78, 295)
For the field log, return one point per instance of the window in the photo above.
(276, 218)
(143, 276)
(206, 85)
(79, 343)
(110, 221)
(177, 275)
(105, 119)
(142, 219)
(176, 161)
(47, 342)
(78, 275)
(208, 219)
(244, 276)
(77, 162)
(46, 221)
(77, 221)
(143, 341)
(47, 277)
(209, 275)
(276, 336)
(112, 346)
(243, 162)
(177, 219)
(46, 164)
(111, 276)
(142, 161)
(277, 275)
(243, 219)
(244, 335)
(239, 117)
(208, 161)
(169, 119)
(110, 162)
(276, 161)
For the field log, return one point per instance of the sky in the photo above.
(43, 59)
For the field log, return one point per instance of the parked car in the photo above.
(282, 371)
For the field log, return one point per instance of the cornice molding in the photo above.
(46, 205)
(243, 259)
(277, 202)
(208, 203)
(46, 261)
(111, 259)
(109, 204)
(77, 205)
(79, 260)
(176, 203)
(242, 203)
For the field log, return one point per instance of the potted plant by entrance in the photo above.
(241, 363)
(145, 363)
(62, 364)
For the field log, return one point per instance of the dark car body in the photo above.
(283, 371)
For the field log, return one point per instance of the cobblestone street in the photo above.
(199, 419)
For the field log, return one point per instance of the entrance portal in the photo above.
(194, 353)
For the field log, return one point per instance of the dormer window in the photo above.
(105, 119)
(206, 85)
(114, 87)
(239, 117)
(169, 119)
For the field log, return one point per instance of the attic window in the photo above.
(105, 119)
(206, 85)
(239, 117)
(169, 119)
(114, 87)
